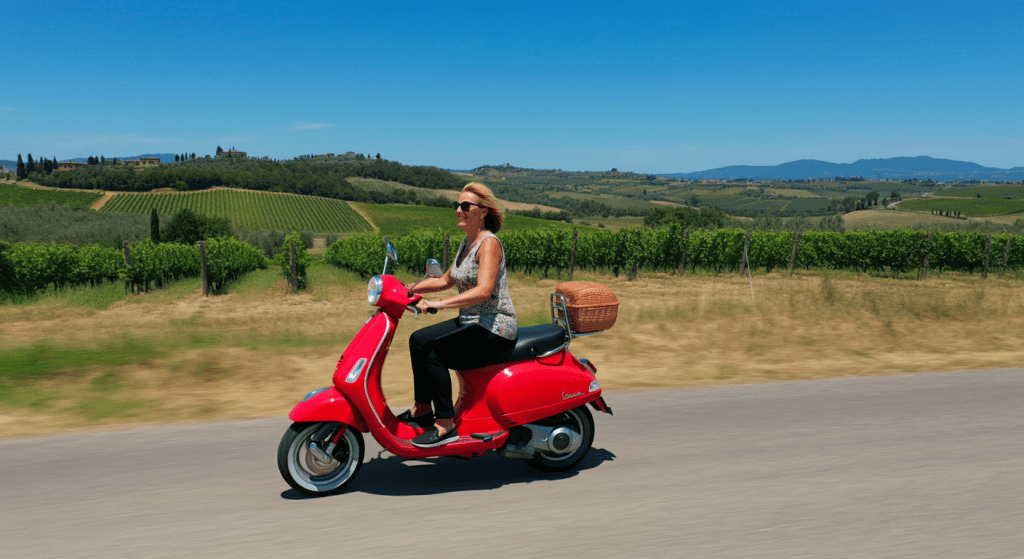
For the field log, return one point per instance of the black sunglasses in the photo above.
(465, 205)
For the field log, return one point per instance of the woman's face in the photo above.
(473, 218)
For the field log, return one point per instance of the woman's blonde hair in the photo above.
(495, 218)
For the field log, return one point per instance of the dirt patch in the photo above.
(102, 201)
(365, 215)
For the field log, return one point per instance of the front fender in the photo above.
(329, 405)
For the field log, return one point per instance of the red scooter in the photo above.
(527, 403)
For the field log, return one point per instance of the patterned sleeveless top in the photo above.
(496, 313)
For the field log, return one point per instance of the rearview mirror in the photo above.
(392, 254)
(434, 269)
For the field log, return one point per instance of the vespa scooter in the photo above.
(527, 403)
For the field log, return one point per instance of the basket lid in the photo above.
(587, 292)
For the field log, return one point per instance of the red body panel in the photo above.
(492, 399)
(329, 405)
(530, 390)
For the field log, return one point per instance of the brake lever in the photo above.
(414, 310)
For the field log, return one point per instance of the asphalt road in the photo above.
(928, 465)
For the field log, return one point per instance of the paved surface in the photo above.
(924, 465)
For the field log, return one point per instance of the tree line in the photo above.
(325, 177)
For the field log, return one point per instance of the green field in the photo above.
(989, 191)
(12, 195)
(612, 201)
(251, 210)
(397, 220)
(969, 207)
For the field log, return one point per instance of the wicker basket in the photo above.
(592, 307)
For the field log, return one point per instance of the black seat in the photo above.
(532, 341)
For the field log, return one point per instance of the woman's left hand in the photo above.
(424, 304)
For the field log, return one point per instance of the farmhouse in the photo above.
(231, 153)
(68, 165)
(143, 161)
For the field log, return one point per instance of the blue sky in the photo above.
(657, 87)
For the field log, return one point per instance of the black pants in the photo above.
(437, 348)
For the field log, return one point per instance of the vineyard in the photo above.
(972, 207)
(398, 220)
(26, 269)
(251, 210)
(987, 191)
(540, 251)
(11, 195)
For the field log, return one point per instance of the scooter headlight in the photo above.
(374, 289)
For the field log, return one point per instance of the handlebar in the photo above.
(416, 312)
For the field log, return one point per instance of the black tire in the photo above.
(578, 419)
(311, 476)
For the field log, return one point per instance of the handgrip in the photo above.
(431, 310)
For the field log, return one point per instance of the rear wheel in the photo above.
(311, 474)
(579, 420)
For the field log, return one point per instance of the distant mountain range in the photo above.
(164, 157)
(895, 168)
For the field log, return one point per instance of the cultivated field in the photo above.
(972, 207)
(94, 358)
(18, 195)
(250, 209)
(387, 186)
(401, 219)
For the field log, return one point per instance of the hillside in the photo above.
(895, 168)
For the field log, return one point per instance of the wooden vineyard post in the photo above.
(634, 271)
(988, 251)
(796, 247)
(447, 243)
(1006, 254)
(202, 267)
(745, 259)
(572, 253)
(927, 256)
(128, 266)
(682, 259)
(295, 280)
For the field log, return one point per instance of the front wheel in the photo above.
(310, 474)
(579, 420)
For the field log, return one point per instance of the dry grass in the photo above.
(256, 351)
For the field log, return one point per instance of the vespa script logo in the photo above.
(567, 395)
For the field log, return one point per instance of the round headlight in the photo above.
(374, 289)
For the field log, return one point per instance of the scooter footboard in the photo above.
(328, 405)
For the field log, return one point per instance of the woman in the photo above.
(486, 324)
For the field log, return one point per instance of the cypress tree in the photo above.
(22, 172)
(31, 165)
(154, 226)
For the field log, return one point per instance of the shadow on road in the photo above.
(394, 476)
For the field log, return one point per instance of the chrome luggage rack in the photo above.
(560, 316)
